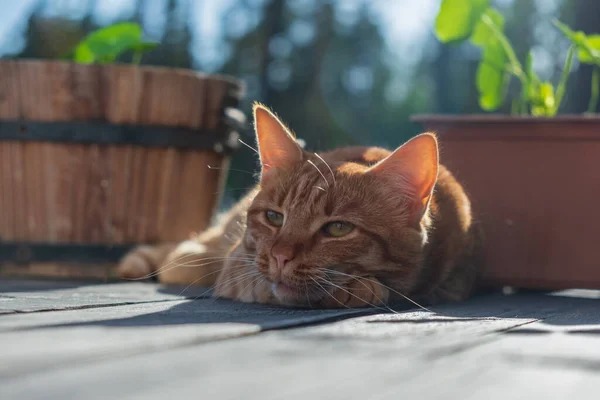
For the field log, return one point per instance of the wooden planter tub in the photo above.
(95, 159)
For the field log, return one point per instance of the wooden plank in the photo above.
(463, 351)
(95, 227)
(9, 109)
(7, 213)
(19, 205)
(118, 193)
(135, 218)
(89, 308)
(30, 296)
(35, 350)
(112, 320)
(271, 367)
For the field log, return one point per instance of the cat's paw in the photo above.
(358, 293)
(137, 264)
(193, 263)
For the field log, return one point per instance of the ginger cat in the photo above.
(354, 227)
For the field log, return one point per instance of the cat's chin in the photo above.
(294, 296)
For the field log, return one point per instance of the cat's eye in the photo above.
(338, 228)
(274, 218)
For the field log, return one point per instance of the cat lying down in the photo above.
(353, 227)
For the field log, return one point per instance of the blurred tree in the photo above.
(51, 37)
(326, 79)
(175, 45)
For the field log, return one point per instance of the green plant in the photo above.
(588, 52)
(474, 20)
(105, 45)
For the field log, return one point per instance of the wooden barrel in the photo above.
(97, 158)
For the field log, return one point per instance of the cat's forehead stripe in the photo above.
(302, 190)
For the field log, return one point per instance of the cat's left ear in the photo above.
(412, 169)
(276, 144)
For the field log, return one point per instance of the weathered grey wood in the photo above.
(101, 325)
(29, 296)
(402, 359)
(523, 346)
(38, 348)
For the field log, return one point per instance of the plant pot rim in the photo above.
(566, 127)
(148, 68)
(502, 119)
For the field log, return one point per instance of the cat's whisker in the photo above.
(221, 258)
(327, 292)
(307, 296)
(234, 279)
(238, 279)
(158, 271)
(188, 264)
(352, 294)
(177, 260)
(320, 188)
(194, 282)
(399, 294)
(330, 170)
(319, 171)
(252, 282)
(241, 277)
(246, 263)
(248, 146)
(177, 263)
(379, 283)
(231, 169)
(383, 305)
(207, 275)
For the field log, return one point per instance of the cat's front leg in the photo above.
(240, 280)
(189, 262)
(359, 292)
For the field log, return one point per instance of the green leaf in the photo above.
(482, 33)
(588, 47)
(492, 77)
(83, 55)
(576, 37)
(544, 103)
(584, 54)
(547, 95)
(457, 19)
(105, 45)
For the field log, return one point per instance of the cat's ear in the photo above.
(276, 144)
(412, 169)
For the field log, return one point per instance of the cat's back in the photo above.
(454, 250)
(356, 154)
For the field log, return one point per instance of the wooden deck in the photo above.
(141, 341)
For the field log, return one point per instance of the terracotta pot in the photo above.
(96, 159)
(535, 186)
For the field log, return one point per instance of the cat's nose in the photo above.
(281, 259)
(284, 253)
